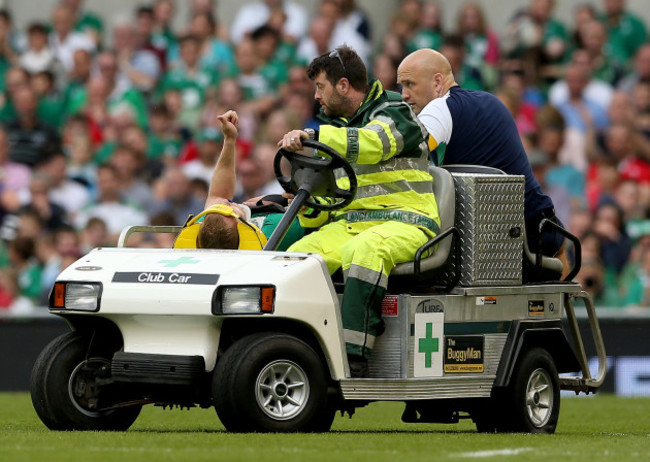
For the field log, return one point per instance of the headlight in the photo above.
(77, 296)
(244, 300)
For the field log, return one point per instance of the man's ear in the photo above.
(438, 84)
(343, 85)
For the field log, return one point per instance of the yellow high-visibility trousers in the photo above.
(367, 258)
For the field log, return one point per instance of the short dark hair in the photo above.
(216, 234)
(23, 246)
(350, 66)
(108, 167)
(212, 22)
(37, 28)
(144, 10)
(49, 75)
(454, 41)
(48, 156)
(265, 31)
(189, 38)
(6, 15)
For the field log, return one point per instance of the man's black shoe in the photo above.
(358, 366)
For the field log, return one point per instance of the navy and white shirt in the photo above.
(474, 127)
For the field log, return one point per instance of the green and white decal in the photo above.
(427, 356)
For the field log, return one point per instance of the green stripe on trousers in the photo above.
(357, 294)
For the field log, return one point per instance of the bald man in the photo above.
(473, 127)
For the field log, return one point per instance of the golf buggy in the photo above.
(476, 326)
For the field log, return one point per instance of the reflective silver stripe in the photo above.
(412, 218)
(394, 164)
(421, 187)
(381, 132)
(358, 338)
(399, 139)
(366, 275)
(424, 145)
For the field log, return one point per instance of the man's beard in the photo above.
(338, 105)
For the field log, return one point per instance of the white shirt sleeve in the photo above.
(436, 118)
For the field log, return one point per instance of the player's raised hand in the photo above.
(229, 123)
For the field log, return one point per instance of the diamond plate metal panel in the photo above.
(488, 207)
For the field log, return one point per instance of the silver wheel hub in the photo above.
(82, 386)
(282, 390)
(539, 397)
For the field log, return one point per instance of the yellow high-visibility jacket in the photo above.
(387, 147)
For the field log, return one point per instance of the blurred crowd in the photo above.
(99, 134)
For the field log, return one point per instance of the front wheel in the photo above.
(272, 382)
(71, 387)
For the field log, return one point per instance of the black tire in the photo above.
(487, 420)
(62, 383)
(530, 404)
(536, 394)
(272, 382)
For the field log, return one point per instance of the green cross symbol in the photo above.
(178, 261)
(428, 345)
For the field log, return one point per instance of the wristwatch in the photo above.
(313, 134)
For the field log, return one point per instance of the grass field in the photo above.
(600, 428)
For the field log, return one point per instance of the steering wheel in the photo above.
(316, 175)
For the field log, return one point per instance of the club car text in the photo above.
(156, 277)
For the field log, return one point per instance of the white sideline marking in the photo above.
(495, 452)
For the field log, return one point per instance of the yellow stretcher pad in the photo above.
(250, 236)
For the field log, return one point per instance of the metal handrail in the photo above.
(128, 231)
(576, 245)
(586, 382)
(417, 262)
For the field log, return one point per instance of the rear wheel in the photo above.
(272, 382)
(71, 387)
(530, 404)
(535, 398)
